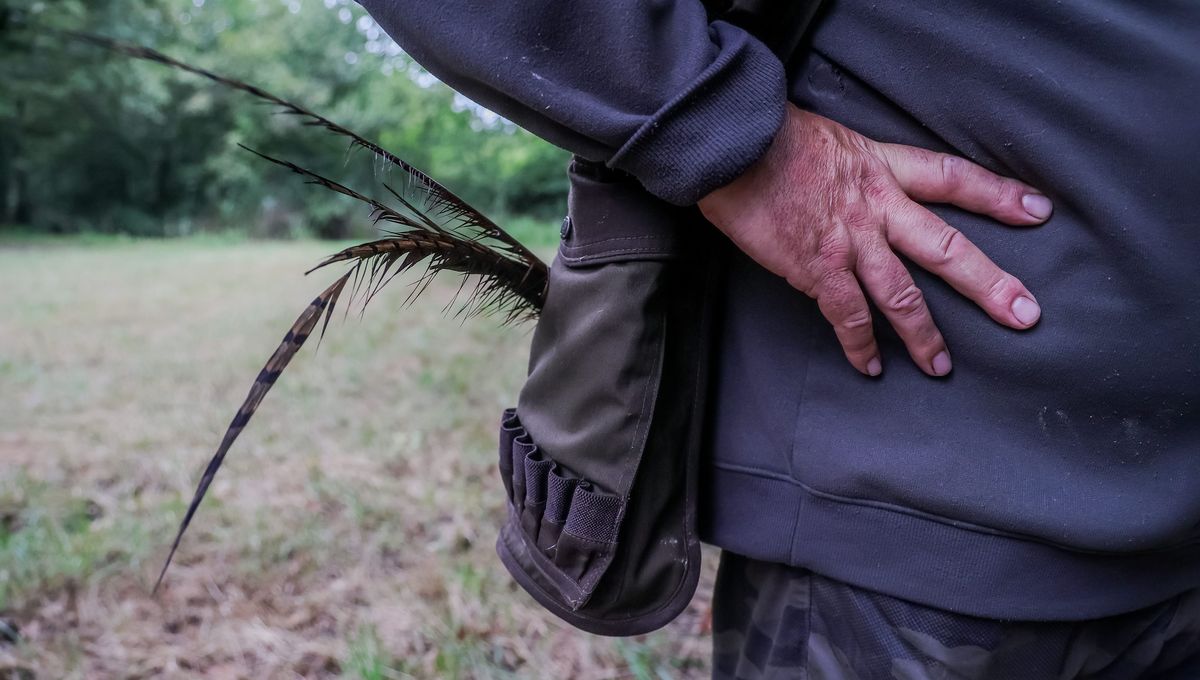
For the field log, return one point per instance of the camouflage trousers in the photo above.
(775, 621)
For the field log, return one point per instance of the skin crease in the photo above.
(828, 209)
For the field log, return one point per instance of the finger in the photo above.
(945, 251)
(843, 304)
(941, 178)
(896, 294)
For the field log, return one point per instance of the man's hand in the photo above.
(825, 207)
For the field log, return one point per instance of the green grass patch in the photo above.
(51, 539)
(366, 658)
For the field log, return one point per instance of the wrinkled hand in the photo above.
(827, 209)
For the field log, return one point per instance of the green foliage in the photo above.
(91, 141)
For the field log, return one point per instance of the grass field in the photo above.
(351, 530)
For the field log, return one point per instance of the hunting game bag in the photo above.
(599, 458)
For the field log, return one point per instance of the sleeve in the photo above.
(650, 87)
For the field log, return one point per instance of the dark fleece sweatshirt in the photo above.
(1055, 474)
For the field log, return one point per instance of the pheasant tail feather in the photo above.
(292, 342)
(435, 227)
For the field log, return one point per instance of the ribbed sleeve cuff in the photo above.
(710, 133)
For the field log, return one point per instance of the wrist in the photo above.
(723, 204)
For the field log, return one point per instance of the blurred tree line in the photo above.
(91, 141)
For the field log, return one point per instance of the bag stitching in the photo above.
(621, 251)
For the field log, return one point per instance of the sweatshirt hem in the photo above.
(936, 562)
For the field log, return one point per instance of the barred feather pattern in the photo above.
(435, 227)
(292, 342)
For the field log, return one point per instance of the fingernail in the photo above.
(1037, 205)
(1027, 311)
(874, 367)
(941, 363)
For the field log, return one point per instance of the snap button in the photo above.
(565, 230)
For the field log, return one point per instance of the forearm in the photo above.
(653, 89)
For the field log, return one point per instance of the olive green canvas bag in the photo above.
(599, 458)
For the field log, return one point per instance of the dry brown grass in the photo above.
(351, 531)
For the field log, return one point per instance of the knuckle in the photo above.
(857, 321)
(860, 215)
(865, 147)
(835, 253)
(1001, 289)
(1002, 195)
(906, 302)
(854, 332)
(954, 172)
(948, 246)
(876, 188)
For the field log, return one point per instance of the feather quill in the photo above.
(437, 228)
